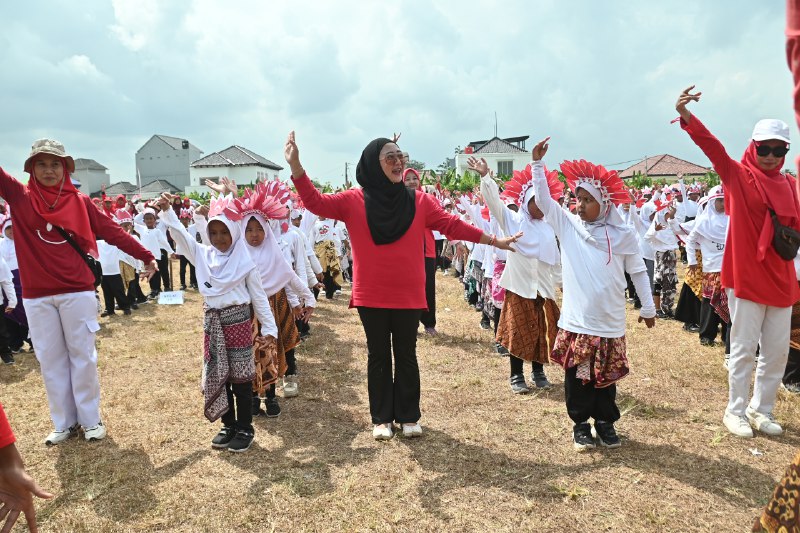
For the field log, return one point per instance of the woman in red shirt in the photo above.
(59, 292)
(387, 224)
(761, 285)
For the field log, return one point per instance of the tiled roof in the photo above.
(663, 165)
(159, 186)
(175, 142)
(235, 156)
(498, 146)
(88, 164)
(121, 187)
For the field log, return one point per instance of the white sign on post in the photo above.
(170, 298)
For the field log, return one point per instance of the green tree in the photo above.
(416, 165)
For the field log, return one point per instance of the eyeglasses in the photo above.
(778, 151)
(394, 158)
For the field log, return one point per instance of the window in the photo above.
(215, 179)
(505, 168)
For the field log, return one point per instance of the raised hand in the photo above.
(478, 165)
(396, 137)
(165, 202)
(218, 188)
(292, 155)
(504, 243)
(201, 210)
(686, 97)
(540, 149)
(229, 186)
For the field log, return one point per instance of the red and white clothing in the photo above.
(6, 435)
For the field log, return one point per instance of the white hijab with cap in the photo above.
(273, 268)
(712, 224)
(7, 248)
(220, 272)
(608, 231)
(538, 239)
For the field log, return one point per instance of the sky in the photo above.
(600, 78)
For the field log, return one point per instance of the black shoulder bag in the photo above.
(91, 262)
(785, 240)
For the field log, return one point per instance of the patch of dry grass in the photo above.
(488, 461)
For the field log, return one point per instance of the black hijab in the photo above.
(390, 206)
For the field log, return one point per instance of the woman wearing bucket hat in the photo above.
(761, 285)
(387, 224)
(59, 296)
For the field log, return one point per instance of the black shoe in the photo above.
(518, 385)
(273, 408)
(7, 358)
(540, 380)
(223, 438)
(135, 306)
(152, 296)
(706, 342)
(606, 434)
(582, 437)
(500, 349)
(691, 328)
(485, 324)
(142, 300)
(107, 313)
(661, 315)
(126, 311)
(241, 442)
(183, 287)
(257, 410)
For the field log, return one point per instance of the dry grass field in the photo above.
(489, 460)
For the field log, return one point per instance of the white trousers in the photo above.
(754, 324)
(62, 329)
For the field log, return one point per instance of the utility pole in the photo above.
(346, 181)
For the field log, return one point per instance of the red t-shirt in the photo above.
(769, 282)
(47, 264)
(6, 435)
(389, 276)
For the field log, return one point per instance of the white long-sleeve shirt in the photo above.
(662, 240)
(250, 291)
(7, 284)
(594, 287)
(154, 239)
(110, 256)
(711, 251)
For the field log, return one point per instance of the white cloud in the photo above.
(135, 22)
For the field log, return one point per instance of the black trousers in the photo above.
(587, 401)
(392, 397)
(632, 289)
(428, 317)
(688, 308)
(291, 363)
(516, 366)
(135, 294)
(330, 285)
(17, 333)
(114, 289)
(302, 327)
(710, 322)
(192, 278)
(496, 317)
(441, 262)
(162, 275)
(792, 373)
(5, 348)
(240, 399)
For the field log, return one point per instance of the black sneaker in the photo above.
(183, 287)
(7, 358)
(223, 438)
(661, 315)
(606, 434)
(273, 408)
(518, 385)
(241, 442)
(706, 342)
(540, 380)
(500, 349)
(582, 437)
(126, 311)
(107, 313)
(257, 410)
(134, 306)
(691, 328)
(485, 324)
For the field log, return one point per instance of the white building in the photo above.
(91, 175)
(503, 156)
(166, 158)
(237, 163)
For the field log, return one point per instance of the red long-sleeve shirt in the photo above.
(47, 264)
(389, 276)
(768, 282)
(6, 435)
(793, 55)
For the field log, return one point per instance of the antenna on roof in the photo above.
(495, 123)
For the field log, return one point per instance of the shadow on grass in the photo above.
(25, 363)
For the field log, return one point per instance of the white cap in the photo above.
(771, 128)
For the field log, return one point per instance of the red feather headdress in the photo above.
(611, 187)
(522, 180)
(267, 199)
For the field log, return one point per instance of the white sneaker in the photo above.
(290, 387)
(382, 431)
(60, 436)
(412, 430)
(765, 423)
(737, 425)
(97, 432)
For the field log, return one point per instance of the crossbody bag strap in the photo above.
(72, 242)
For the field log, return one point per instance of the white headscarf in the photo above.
(609, 231)
(275, 271)
(538, 238)
(217, 272)
(712, 224)
(8, 250)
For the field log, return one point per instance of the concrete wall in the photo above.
(519, 161)
(242, 175)
(92, 180)
(158, 160)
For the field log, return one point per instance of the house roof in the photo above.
(159, 186)
(235, 156)
(175, 142)
(662, 165)
(497, 146)
(121, 187)
(88, 164)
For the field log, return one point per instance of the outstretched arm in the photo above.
(326, 205)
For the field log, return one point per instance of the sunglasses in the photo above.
(778, 151)
(394, 158)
